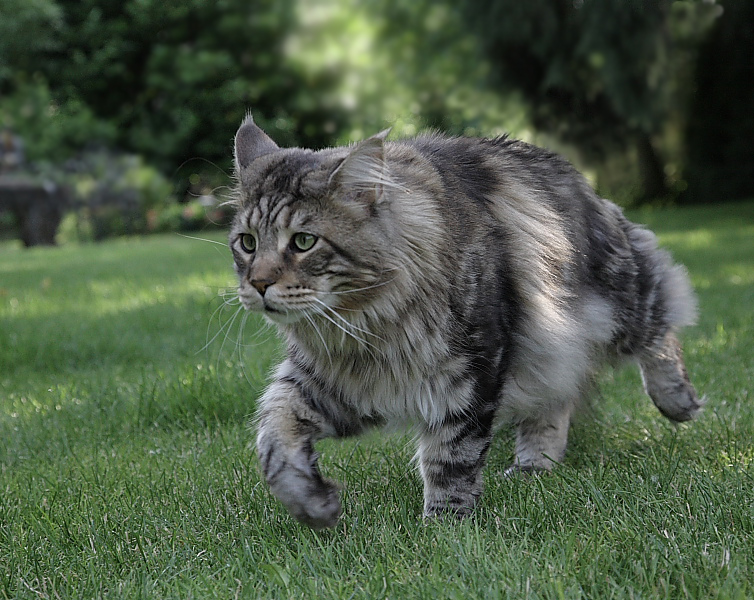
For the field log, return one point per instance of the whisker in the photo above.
(240, 346)
(348, 323)
(365, 344)
(266, 327)
(321, 337)
(227, 333)
(204, 160)
(361, 289)
(224, 330)
(191, 237)
(223, 326)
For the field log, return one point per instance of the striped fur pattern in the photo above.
(448, 284)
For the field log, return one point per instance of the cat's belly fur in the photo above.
(550, 363)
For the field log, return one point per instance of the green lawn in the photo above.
(125, 389)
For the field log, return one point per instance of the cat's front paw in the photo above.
(446, 513)
(296, 481)
(440, 505)
(312, 501)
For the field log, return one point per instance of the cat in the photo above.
(450, 284)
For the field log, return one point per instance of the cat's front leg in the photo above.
(451, 458)
(287, 428)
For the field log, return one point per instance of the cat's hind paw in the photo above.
(517, 470)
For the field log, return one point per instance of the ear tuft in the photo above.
(364, 168)
(251, 143)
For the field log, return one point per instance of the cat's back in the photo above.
(494, 178)
(486, 160)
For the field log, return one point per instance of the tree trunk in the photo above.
(650, 170)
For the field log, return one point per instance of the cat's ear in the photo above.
(364, 168)
(251, 143)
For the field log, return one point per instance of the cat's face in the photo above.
(306, 241)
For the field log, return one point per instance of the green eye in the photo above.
(304, 241)
(248, 243)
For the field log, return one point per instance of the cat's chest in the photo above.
(398, 370)
(399, 391)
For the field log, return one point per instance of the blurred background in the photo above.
(118, 116)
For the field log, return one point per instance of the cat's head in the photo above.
(309, 237)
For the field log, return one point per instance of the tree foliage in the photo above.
(603, 75)
(586, 66)
(28, 29)
(404, 65)
(173, 78)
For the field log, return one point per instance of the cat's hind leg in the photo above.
(541, 441)
(667, 382)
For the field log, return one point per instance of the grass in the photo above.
(125, 470)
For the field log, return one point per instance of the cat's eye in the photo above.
(304, 241)
(248, 243)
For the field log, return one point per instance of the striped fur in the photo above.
(453, 283)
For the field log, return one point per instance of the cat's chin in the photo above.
(282, 318)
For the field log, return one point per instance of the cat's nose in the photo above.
(261, 285)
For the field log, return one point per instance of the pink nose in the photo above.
(261, 285)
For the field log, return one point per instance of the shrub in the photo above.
(114, 192)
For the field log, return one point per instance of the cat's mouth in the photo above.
(271, 307)
(283, 317)
(275, 312)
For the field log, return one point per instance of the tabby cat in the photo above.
(449, 284)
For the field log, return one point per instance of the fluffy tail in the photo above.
(673, 306)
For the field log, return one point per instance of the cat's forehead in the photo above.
(293, 173)
(281, 191)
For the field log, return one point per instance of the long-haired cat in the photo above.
(446, 283)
